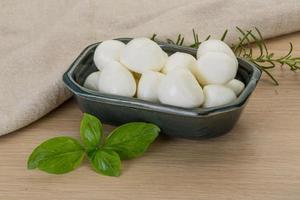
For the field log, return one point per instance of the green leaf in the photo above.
(90, 131)
(132, 139)
(57, 155)
(106, 162)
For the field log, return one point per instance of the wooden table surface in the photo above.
(258, 159)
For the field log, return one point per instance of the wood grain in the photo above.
(258, 159)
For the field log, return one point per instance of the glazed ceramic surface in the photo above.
(194, 123)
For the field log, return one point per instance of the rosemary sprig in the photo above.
(244, 47)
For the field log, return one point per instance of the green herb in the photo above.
(244, 47)
(90, 131)
(106, 162)
(57, 156)
(63, 154)
(132, 139)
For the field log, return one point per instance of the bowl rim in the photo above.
(158, 107)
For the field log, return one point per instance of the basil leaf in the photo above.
(57, 155)
(132, 139)
(90, 131)
(106, 162)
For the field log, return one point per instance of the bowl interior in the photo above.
(248, 73)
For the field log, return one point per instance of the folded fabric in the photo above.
(39, 39)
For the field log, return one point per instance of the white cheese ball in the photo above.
(215, 68)
(91, 82)
(166, 56)
(236, 85)
(213, 45)
(217, 95)
(180, 60)
(142, 54)
(148, 86)
(180, 88)
(116, 79)
(107, 51)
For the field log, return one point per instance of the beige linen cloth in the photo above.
(39, 39)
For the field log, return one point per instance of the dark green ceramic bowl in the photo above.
(195, 123)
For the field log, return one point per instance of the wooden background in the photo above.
(259, 159)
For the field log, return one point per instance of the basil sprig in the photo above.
(63, 154)
(132, 139)
(58, 155)
(90, 131)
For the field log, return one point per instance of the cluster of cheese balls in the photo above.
(142, 69)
